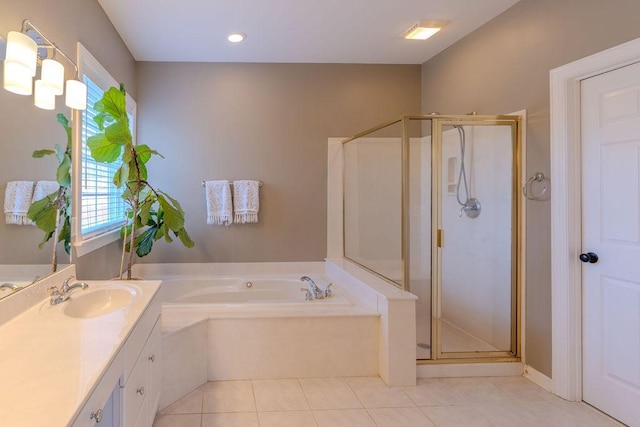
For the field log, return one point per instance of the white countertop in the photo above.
(50, 363)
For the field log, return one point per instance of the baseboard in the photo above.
(538, 378)
(506, 369)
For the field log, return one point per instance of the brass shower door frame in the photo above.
(438, 122)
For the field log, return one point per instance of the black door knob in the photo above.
(589, 257)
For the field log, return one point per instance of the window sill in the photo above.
(84, 247)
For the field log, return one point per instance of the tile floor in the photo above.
(353, 402)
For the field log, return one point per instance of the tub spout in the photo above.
(316, 292)
(12, 286)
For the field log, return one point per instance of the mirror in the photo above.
(24, 129)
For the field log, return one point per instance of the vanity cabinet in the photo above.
(128, 394)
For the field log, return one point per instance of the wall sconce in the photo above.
(25, 50)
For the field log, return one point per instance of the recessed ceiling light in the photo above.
(422, 30)
(236, 37)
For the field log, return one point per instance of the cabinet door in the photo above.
(143, 416)
(103, 406)
(135, 391)
(155, 370)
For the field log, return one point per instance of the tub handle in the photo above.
(308, 296)
(328, 292)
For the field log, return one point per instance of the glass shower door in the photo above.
(476, 247)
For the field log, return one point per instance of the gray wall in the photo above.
(503, 67)
(26, 128)
(260, 121)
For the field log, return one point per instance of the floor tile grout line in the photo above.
(363, 405)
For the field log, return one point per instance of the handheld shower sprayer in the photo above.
(471, 206)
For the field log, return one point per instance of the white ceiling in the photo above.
(296, 31)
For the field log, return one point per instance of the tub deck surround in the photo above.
(397, 331)
(366, 328)
(262, 326)
(51, 362)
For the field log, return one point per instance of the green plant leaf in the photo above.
(118, 133)
(60, 152)
(43, 213)
(65, 235)
(113, 103)
(145, 153)
(159, 233)
(127, 154)
(173, 201)
(102, 150)
(185, 238)
(174, 218)
(139, 171)
(63, 174)
(145, 210)
(41, 153)
(144, 242)
(46, 238)
(165, 233)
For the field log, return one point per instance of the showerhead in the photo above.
(471, 208)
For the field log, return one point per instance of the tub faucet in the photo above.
(314, 292)
(63, 294)
(11, 286)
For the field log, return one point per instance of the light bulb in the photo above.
(17, 78)
(23, 50)
(44, 96)
(76, 97)
(52, 75)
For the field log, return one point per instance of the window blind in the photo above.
(103, 208)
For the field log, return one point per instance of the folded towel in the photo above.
(17, 199)
(246, 201)
(44, 188)
(219, 203)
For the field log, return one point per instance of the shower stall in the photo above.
(430, 204)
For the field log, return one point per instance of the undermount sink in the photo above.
(97, 302)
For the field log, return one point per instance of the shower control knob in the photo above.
(589, 257)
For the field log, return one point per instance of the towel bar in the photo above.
(231, 183)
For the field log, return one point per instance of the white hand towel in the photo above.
(17, 199)
(219, 202)
(44, 188)
(246, 201)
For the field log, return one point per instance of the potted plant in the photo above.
(55, 208)
(151, 214)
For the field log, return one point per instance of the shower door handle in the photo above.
(589, 257)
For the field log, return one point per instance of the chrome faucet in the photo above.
(11, 286)
(63, 294)
(314, 292)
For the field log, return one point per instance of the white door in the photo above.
(611, 230)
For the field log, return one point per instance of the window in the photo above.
(102, 207)
(98, 209)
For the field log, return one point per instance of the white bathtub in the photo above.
(261, 326)
(247, 290)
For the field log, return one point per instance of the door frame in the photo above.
(566, 207)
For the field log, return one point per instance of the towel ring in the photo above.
(528, 187)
